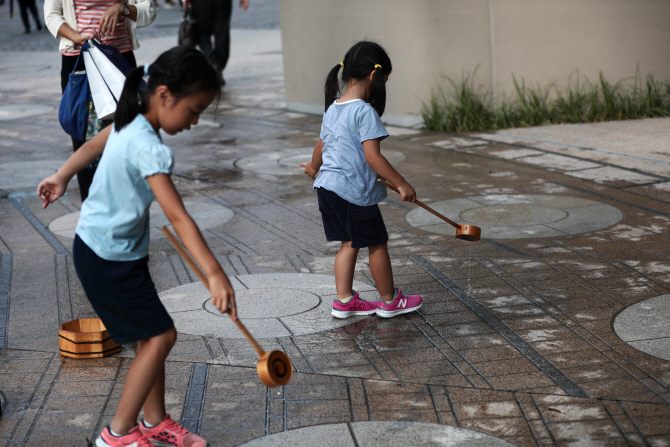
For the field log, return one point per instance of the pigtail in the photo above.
(376, 94)
(360, 60)
(332, 87)
(132, 101)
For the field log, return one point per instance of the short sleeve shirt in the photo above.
(114, 219)
(344, 171)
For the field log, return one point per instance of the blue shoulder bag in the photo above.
(73, 110)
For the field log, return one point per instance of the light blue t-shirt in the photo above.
(114, 219)
(344, 171)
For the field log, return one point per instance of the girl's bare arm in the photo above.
(223, 296)
(312, 168)
(381, 166)
(53, 187)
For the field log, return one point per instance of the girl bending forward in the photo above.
(348, 156)
(111, 245)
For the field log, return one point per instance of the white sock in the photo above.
(395, 294)
(146, 424)
(115, 433)
(346, 300)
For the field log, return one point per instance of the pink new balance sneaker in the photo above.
(356, 306)
(134, 438)
(401, 304)
(170, 434)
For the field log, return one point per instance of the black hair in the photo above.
(359, 61)
(182, 69)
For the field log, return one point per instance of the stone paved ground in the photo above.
(515, 338)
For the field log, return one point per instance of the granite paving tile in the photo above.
(443, 364)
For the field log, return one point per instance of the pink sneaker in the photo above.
(401, 304)
(134, 438)
(356, 306)
(170, 434)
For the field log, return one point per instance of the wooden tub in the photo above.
(86, 338)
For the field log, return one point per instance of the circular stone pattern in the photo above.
(206, 215)
(287, 161)
(645, 327)
(513, 215)
(270, 305)
(518, 216)
(381, 433)
(253, 303)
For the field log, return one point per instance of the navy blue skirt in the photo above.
(122, 294)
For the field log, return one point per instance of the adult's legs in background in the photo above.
(33, 10)
(24, 7)
(213, 17)
(203, 14)
(224, 9)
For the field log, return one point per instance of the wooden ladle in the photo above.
(273, 368)
(470, 233)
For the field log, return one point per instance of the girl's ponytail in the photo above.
(377, 91)
(132, 101)
(332, 87)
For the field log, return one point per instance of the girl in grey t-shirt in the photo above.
(350, 161)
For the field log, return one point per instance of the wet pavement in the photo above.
(552, 330)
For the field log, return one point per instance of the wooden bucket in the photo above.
(86, 338)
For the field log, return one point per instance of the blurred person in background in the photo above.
(24, 7)
(113, 22)
(213, 17)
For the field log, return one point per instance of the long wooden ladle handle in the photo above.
(184, 254)
(421, 204)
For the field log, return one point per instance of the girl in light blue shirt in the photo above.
(111, 245)
(349, 158)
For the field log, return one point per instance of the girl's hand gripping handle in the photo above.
(223, 295)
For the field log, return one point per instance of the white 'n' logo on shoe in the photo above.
(402, 303)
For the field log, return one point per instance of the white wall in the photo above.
(542, 41)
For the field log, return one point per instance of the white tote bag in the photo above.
(110, 73)
(105, 81)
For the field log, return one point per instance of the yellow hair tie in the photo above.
(377, 66)
(342, 64)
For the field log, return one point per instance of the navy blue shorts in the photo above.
(345, 221)
(122, 294)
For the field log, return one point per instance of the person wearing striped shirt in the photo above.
(113, 22)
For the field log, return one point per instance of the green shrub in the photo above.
(465, 108)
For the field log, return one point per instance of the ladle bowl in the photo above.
(466, 232)
(274, 368)
(470, 233)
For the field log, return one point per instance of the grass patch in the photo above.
(465, 107)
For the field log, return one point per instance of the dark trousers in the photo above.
(85, 176)
(213, 17)
(24, 7)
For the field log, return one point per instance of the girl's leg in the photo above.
(345, 262)
(382, 273)
(141, 379)
(154, 405)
